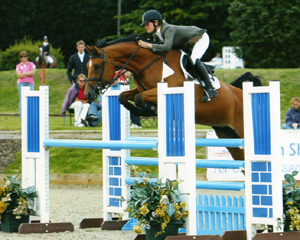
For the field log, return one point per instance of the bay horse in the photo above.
(41, 61)
(224, 113)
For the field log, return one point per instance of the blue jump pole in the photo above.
(97, 144)
(199, 163)
(232, 186)
(202, 142)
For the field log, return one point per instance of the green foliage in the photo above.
(155, 202)
(16, 199)
(11, 56)
(291, 203)
(267, 32)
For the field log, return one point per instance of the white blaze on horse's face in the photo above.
(90, 62)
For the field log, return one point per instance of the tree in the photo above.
(267, 32)
(210, 15)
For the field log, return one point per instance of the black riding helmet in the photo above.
(150, 16)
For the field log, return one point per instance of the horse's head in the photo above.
(100, 73)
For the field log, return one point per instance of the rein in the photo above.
(100, 88)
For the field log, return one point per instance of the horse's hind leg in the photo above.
(227, 132)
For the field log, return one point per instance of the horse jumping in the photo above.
(224, 113)
(41, 60)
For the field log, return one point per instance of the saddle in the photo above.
(188, 69)
(187, 66)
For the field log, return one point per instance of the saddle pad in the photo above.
(215, 83)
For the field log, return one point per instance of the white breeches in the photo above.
(200, 47)
(47, 58)
(80, 110)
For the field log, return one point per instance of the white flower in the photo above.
(154, 214)
(6, 199)
(164, 200)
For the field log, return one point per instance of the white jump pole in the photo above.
(35, 157)
(262, 156)
(176, 143)
(116, 126)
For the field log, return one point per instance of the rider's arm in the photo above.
(168, 36)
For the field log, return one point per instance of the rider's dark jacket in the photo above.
(78, 66)
(177, 37)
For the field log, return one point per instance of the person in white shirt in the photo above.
(218, 60)
(78, 62)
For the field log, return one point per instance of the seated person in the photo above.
(292, 118)
(94, 115)
(75, 99)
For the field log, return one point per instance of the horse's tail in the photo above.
(248, 76)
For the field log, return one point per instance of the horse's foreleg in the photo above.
(126, 97)
(141, 108)
(149, 96)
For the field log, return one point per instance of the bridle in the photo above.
(100, 85)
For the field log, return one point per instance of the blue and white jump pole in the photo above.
(35, 156)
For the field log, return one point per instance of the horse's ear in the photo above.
(96, 51)
(89, 49)
(101, 42)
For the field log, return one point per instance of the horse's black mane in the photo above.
(131, 38)
(248, 76)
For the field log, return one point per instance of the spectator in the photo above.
(76, 100)
(78, 62)
(124, 79)
(218, 60)
(292, 118)
(25, 71)
(94, 115)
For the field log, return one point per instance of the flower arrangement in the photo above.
(16, 199)
(155, 202)
(291, 203)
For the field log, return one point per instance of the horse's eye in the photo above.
(97, 66)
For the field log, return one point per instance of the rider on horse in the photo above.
(191, 39)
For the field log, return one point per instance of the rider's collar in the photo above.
(158, 34)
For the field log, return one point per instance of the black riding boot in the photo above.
(203, 74)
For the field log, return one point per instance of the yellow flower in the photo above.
(138, 229)
(178, 215)
(176, 206)
(163, 225)
(183, 204)
(159, 212)
(144, 210)
(185, 214)
(3, 207)
(290, 203)
(166, 219)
